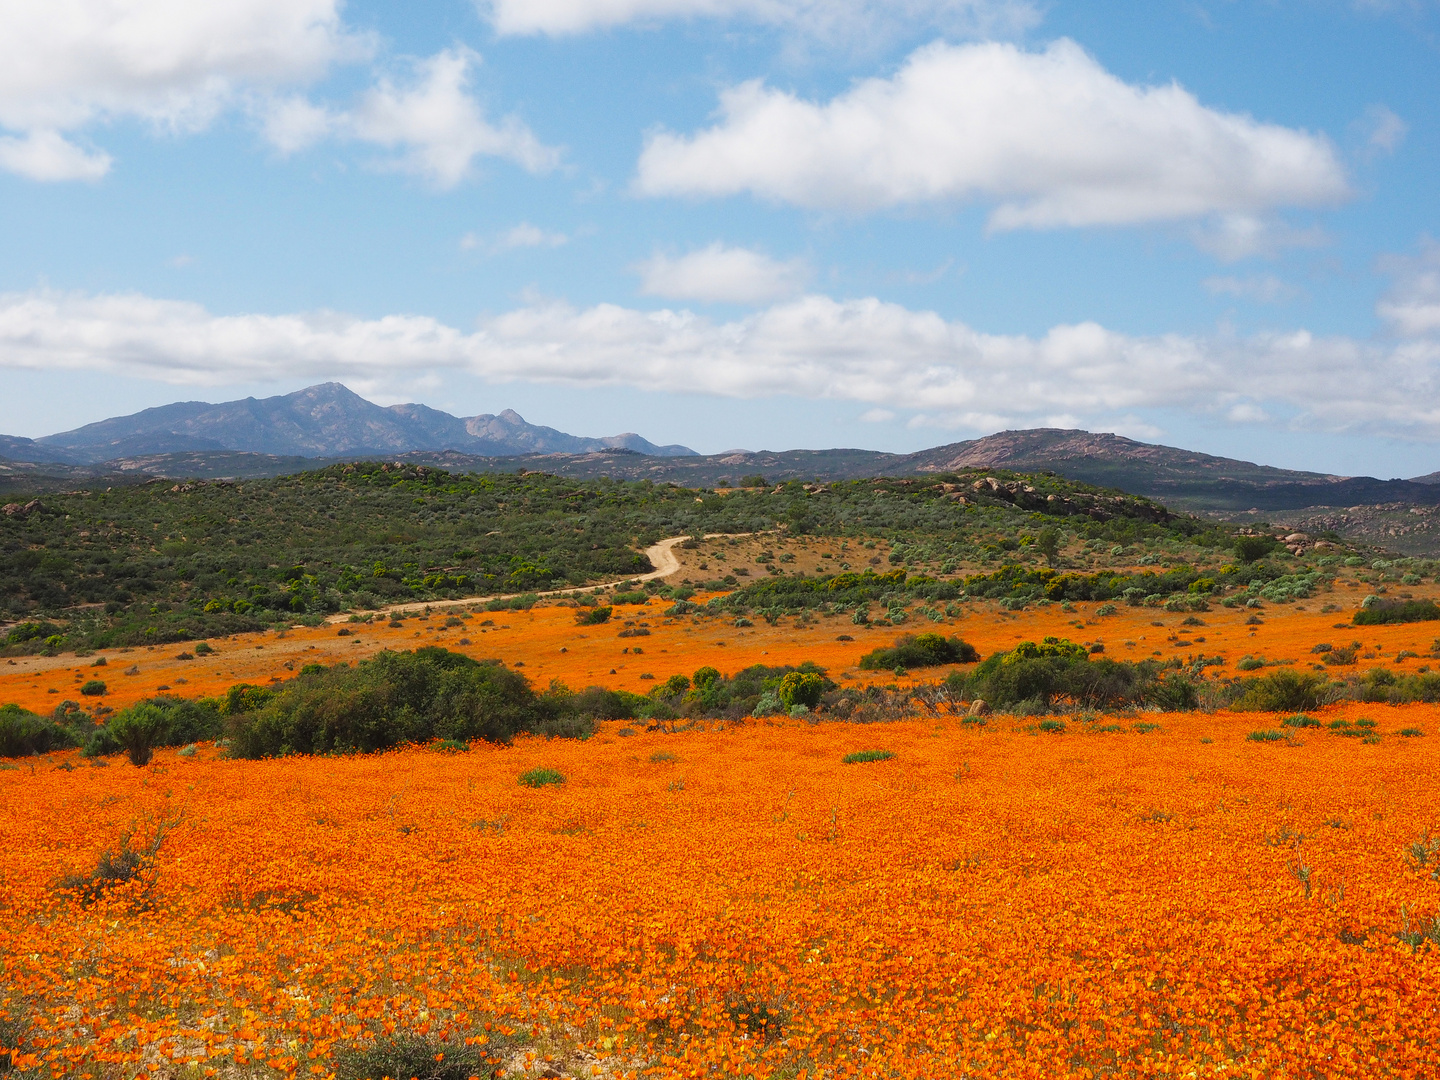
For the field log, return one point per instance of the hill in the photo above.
(159, 561)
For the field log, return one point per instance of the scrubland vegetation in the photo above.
(925, 778)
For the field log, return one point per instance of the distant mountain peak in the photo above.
(326, 420)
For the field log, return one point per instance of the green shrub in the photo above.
(23, 733)
(1269, 735)
(1249, 549)
(1032, 677)
(1285, 690)
(1402, 611)
(1411, 732)
(93, 688)
(138, 730)
(541, 777)
(401, 697)
(1300, 720)
(593, 616)
(631, 598)
(858, 757)
(922, 650)
(423, 1058)
(452, 746)
(1250, 663)
(1054, 726)
(801, 688)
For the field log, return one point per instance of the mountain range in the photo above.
(326, 423)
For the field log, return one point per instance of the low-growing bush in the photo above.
(859, 757)
(1300, 720)
(1400, 611)
(1285, 690)
(922, 650)
(401, 697)
(422, 1057)
(541, 777)
(1034, 677)
(93, 688)
(23, 733)
(1269, 735)
(155, 722)
(593, 616)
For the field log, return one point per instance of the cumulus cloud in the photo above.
(48, 155)
(1051, 138)
(173, 63)
(431, 120)
(866, 351)
(726, 274)
(824, 19)
(1264, 288)
(438, 128)
(1412, 305)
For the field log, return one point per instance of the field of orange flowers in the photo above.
(991, 901)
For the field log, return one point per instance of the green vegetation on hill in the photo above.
(165, 562)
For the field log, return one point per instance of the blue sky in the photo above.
(758, 223)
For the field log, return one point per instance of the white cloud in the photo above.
(1263, 289)
(825, 19)
(292, 124)
(432, 120)
(1412, 306)
(1050, 137)
(726, 274)
(1246, 412)
(1232, 237)
(439, 128)
(878, 354)
(1383, 130)
(877, 416)
(47, 155)
(173, 63)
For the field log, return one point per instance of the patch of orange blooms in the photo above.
(996, 901)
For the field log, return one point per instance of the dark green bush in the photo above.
(23, 733)
(1265, 736)
(93, 688)
(801, 688)
(401, 697)
(1285, 690)
(1249, 549)
(153, 723)
(1403, 611)
(593, 616)
(419, 1057)
(923, 650)
(1033, 677)
(1300, 720)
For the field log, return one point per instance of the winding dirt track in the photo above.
(660, 555)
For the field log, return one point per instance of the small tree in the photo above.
(1250, 548)
(801, 688)
(138, 730)
(1048, 544)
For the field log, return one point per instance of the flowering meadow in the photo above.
(1156, 894)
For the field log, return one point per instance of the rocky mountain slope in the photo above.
(325, 421)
